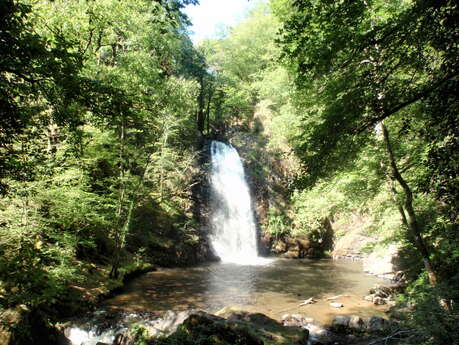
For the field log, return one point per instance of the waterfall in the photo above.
(233, 235)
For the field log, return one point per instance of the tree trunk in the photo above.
(209, 100)
(410, 215)
(121, 197)
(200, 117)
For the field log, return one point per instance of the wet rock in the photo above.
(341, 321)
(266, 328)
(259, 319)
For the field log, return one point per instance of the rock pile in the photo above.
(340, 331)
(381, 295)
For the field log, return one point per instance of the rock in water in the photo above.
(336, 305)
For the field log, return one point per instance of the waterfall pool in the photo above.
(274, 289)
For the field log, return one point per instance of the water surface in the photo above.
(274, 289)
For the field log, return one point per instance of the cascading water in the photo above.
(233, 235)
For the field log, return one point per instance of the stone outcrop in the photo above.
(352, 244)
(385, 264)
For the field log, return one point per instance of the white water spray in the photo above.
(233, 235)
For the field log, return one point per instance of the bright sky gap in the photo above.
(211, 17)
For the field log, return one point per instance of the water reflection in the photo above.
(273, 289)
(231, 284)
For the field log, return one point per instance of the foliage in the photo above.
(433, 324)
(99, 109)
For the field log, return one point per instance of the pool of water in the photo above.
(275, 288)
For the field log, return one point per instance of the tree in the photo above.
(365, 61)
(39, 83)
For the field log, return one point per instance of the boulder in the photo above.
(291, 254)
(376, 323)
(356, 322)
(220, 331)
(296, 320)
(169, 322)
(280, 247)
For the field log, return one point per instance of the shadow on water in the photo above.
(272, 289)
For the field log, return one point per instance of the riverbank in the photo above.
(22, 324)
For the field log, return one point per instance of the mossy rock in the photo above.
(241, 328)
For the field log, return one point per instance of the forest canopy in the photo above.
(340, 109)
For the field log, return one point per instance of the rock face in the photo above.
(297, 247)
(351, 244)
(384, 265)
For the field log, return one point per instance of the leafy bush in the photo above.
(433, 323)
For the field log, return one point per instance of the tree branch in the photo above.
(422, 94)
